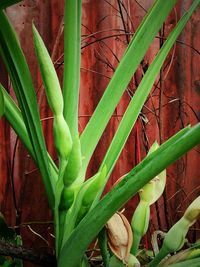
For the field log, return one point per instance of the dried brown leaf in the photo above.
(120, 236)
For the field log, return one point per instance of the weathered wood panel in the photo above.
(173, 103)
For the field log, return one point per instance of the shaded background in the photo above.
(107, 27)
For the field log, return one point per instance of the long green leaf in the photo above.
(72, 53)
(19, 73)
(142, 93)
(14, 117)
(7, 3)
(1, 104)
(126, 68)
(188, 263)
(152, 165)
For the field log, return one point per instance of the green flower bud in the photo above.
(181, 228)
(140, 220)
(88, 193)
(74, 163)
(67, 198)
(62, 137)
(154, 189)
(49, 76)
(139, 224)
(175, 237)
(192, 213)
(149, 194)
(93, 186)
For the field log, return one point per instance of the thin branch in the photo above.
(123, 20)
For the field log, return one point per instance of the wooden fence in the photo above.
(107, 27)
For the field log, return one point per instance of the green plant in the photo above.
(75, 203)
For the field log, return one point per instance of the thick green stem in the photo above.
(136, 243)
(161, 255)
(103, 244)
(57, 215)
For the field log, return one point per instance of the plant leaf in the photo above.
(14, 117)
(1, 104)
(152, 165)
(141, 95)
(188, 263)
(72, 53)
(126, 68)
(19, 73)
(7, 3)
(183, 255)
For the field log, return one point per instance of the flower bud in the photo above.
(93, 187)
(49, 76)
(175, 237)
(62, 137)
(74, 163)
(192, 213)
(67, 198)
(139, 224)
(88, 192)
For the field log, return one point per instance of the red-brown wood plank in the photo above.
(179, 106)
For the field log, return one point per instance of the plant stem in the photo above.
(161, 255)
(136, 243)
(58, 216)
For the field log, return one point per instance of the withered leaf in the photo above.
(120, 236)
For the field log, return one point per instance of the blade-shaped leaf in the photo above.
(142, 93)
(14, 116)
(17, 68)
(188, 263)
(126, 68)
(7, 3)
(1, 104)
(72, 53)
(152, 165)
